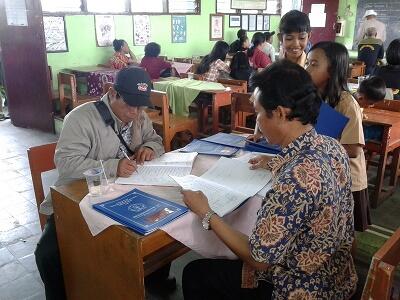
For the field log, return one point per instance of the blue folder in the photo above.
(140, 211)
(330, 122)
(204, 147)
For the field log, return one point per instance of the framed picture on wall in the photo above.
(234, 21)
(245, 22)
(266, 23)
(141, 30)
(252, 22)
(216, 27)
(178, 29)
(55, 34)
(105, 30)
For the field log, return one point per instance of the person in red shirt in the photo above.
(154, 65)
(257, 58)
(120, 59)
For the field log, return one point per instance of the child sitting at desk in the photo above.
(120, 59)
(294, 32)
(370, 91)
(155, 65)
(257, 58)
(240, 67)
(213, 65)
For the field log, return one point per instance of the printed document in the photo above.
(227, 184)
(159, 170)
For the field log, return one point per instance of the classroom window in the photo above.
(183, 6)
(148, 6)
(61, 5)
(106, 6)
(273, 8)
(224, 7)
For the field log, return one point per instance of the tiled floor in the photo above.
(19, 225)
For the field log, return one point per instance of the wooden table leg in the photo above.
(219, 100)
(395, 167)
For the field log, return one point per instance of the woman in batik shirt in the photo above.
(300, 245)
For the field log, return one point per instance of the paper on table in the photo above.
(227, 184)
(158, 171)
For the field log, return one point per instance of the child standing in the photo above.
(294, 32)
(327, 63)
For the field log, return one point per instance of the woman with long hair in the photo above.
(213, 65)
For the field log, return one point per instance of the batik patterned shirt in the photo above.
(216, 68)
(119, 61)
(304, 229)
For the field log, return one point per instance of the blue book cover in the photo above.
(262, 146)
(204, 147)
(140, 211)
(330, 122)
(227, 139)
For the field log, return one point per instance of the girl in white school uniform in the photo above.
(327, 63)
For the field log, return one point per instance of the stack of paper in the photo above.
(141, 211)
(227, 184)
(158, 171)
(205, 147)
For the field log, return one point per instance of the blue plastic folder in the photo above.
(262, 146)
(140, 211)
(330, 122)
(204, 147)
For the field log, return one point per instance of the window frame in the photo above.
(84, 11)
(245, 12)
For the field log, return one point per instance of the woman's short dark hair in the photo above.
(257, 39)
(152, 50)
(219, 51)
(241, 33)
(118, 44)
(286, 84)
(373, 88)
(393, 52)
(239, 61)
(294, 21)
(338, 61)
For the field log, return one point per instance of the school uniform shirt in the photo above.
(216, 68)
(119, 61)
(304, 229)
(391, 75)
(369, 51)
(269, 50)
(301, 60)
(353, 134)
(154, 66)
(235, 47)
(259, 59)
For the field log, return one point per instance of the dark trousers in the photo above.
(219, 279)
(49, 264)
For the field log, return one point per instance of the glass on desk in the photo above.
(96, 181)
(190, 75)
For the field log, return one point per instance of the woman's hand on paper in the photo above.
(260, 161)
(197, 202)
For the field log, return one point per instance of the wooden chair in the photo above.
(241, 107)
(356, 69)
(169, 124)
(163, 57)
(67, 89)
(238, 86)
(41, 159)
(379, 283)
(392, 105)
(183, 60)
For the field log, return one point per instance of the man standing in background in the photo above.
(371, 21)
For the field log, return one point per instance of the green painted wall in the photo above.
(84, 52)
(347, 39)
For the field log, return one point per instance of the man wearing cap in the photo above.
(269, 49)
(371, 21)
(86, 140)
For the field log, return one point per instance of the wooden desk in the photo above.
(390, 121)
(112, 264)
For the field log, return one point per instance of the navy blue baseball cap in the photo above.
(134, 86)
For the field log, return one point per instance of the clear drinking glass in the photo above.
(96, 181)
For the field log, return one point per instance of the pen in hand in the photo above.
(127, 157)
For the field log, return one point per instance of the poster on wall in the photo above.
(266, 23)
(105, 30)
(55, 34)
(141, 30)
(245, 22)
(216, 27)
(178, 29)
(252, 22)
(234, 21)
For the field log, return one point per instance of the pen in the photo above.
(127, 157)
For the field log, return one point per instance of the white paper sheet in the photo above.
(222, 183)
(159, 170)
